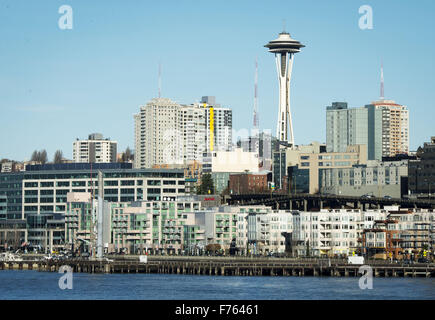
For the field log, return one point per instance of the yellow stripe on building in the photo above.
(211, 128)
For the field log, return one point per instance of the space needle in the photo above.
(284, 48)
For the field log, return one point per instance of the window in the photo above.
(31, 184)
(63, 183)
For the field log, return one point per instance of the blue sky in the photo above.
(57, 85)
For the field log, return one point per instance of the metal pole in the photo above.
(100, 216)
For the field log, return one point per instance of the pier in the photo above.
(219, 266)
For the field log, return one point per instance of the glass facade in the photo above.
(299, 180)
(44, 188)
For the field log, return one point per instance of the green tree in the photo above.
(207, 186)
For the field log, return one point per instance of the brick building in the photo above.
(245, 183)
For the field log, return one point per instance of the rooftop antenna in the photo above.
(160, 79)
(255, 96)
(382, 80)
(283, 26)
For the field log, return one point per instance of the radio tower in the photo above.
(256, 97)
(382, 81)
(160, 79)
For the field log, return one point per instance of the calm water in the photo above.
(44, 285)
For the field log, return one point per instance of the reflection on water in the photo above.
(44, 285)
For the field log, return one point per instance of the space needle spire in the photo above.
(284, 48)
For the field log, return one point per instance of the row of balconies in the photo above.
(171, 231)
(120, 218)
(169, 224)
(171, 237)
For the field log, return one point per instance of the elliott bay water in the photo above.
(31, 285)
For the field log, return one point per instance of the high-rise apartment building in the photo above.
(345, 127)
(388, 129)
(192, 129)
(219, 125)
(96, 149)
(167, 133)
(156, 128)
(382, 125)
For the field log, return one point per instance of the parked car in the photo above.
(387, 197)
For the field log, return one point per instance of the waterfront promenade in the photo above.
(226, 266)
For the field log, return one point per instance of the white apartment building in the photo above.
(266, 229)
(219, 128)
(138, 152)
(96, 149)
(157, 134)
(219, 125)
(180, 225)
(328, 232)
(192, 128)
(167, 133)
(256, 229)
(221, 226)
(388, 128)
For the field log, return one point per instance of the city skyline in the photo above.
(94, 77)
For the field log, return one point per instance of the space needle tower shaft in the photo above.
(284, 48)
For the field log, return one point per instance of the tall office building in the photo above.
(96, 149)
